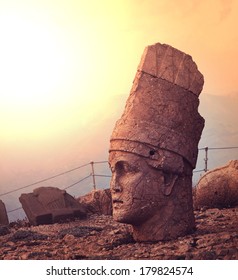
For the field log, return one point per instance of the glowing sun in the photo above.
(34, 68)
(31, 60)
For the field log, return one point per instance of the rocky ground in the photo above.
(99, 237)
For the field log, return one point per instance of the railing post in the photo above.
(206, 159)
(93, 175)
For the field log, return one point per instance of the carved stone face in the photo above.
(153, 147)
(137, 189)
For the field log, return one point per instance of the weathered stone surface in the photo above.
(154, 146)
(97, 202)
(218, 188)
(170, 64)
(3, 214)
(49, 205)
(36, 213)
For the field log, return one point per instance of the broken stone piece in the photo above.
(97, 202)
(154, 146)
(172, 65)
(48, 205)
(218, 188)
(3, 214)
(36, 213)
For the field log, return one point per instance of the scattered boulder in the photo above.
(97, 202)
(48, 205)
(3, 214)
(35, 211)
(218, 188)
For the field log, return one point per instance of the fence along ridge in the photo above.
(46, 179)
(99, 162)
(92, 174)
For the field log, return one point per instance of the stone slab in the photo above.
(35, 212)
(47, 205)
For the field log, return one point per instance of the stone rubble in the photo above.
(100, 237)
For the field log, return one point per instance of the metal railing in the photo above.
(93, 174)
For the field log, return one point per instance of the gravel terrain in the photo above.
(100, 237)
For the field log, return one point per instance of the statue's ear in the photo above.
(169, 182)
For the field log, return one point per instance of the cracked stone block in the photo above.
(50, 205)
(3, 214)
(154, 146)
(36, 213)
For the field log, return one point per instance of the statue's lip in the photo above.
(117, 201)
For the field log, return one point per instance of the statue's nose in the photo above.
(115, 185)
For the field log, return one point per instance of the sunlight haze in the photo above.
(67, 68)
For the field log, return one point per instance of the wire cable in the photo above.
(104, 161)
(217, 148)
(44, 180)
(63, 189)
(223, 148)
(106, 176)
(10, 211)
(201, 170)
(77, 182)
(98, 162)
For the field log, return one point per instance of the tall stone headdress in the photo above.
(161, 115)
(154, 146)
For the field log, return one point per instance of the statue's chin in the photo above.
(123, 217)
(127, 217)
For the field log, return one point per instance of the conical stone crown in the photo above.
(161, 114)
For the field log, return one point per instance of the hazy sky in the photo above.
(61, 60)
(64, 65)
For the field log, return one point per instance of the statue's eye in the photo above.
(123, 167)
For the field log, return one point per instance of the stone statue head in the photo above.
(138, 189)
(153, 147)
